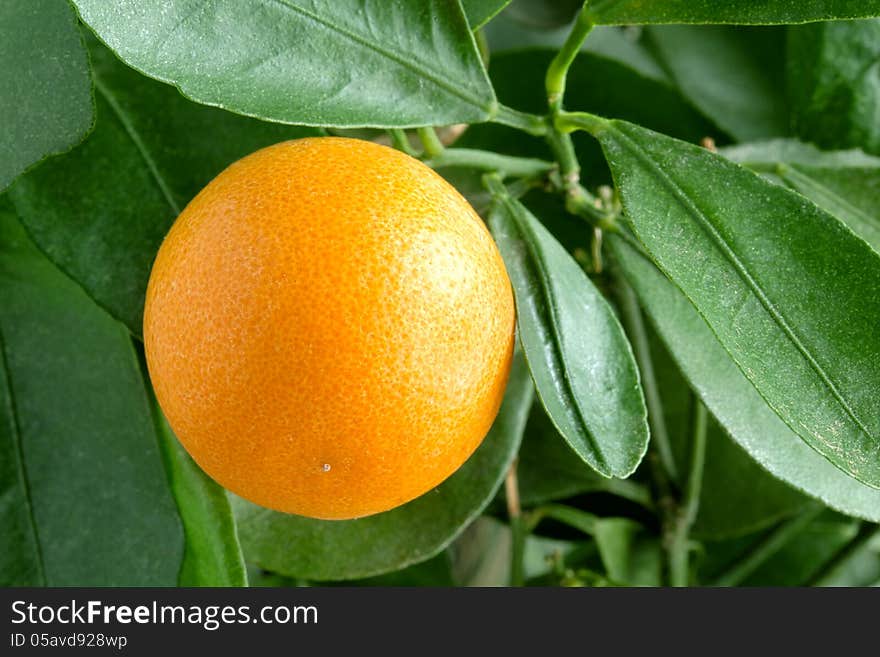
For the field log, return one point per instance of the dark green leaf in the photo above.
(101, 211)
(345, 63)
(737, 496)
(85, 499)
(480, 12)
(734, 76)
(834, 83)
(582, 364)
(744, 12)
(335, 550)
(45, 90)
(212, 554)
(733, 400)
(798, 314)
(844, 183)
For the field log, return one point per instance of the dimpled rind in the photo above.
(329, 328)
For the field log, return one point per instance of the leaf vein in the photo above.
(139, 144)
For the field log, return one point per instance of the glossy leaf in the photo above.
(45, 90)
(734, 76)
(743, 12)
(212, 555)
(480, 12)
(798, 314)
(844, 183)
(336, 550)
(732, 399)
(345, 63)
(834, 83)
(582, 364)
(101, 211)
(84, 499)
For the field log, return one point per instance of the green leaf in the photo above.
(734, 76)
(834, 83)
(346, 63)
(582, 364)
(737, 496)
(732, 399)
(45, 90)
(743, 12)
(84, 499)
(844, 183)
(549, 470)
(790, 292)
(212, 555)
(480, 12)
(101, 211)
(336, 550)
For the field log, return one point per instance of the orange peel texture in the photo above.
(329, 328)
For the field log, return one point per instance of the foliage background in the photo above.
(100, 152)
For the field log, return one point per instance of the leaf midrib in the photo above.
(22, 468)
(426, 70)
(537, 256)
(710, 230)
(135, 137)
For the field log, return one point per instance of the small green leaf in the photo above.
(336, 550)
(480, 12)
(844, 183)
(45, 91)
(743, 12)
(346, 63)
(101, 211)
(798, 314)
(212, 555)
(732, 399)
(834, 83)
(582, 364)
(84, 499)
(734, 76)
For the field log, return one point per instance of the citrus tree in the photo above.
(682, 198)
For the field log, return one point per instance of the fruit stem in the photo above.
(400, 141)
(431, 142)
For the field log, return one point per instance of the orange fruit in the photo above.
(329, 328)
